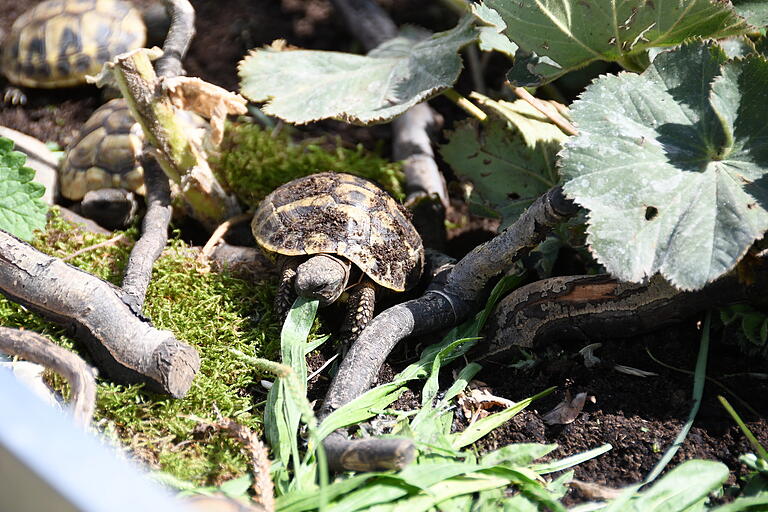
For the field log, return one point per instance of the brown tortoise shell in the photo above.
(105, 153)
(345, 215)
(58, 42)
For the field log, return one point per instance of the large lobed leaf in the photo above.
(302, 86)
(671, 165)
(561, 35)
(21, 210)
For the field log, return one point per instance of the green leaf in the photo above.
(21, 210)
(491, 37)
(682, 487)
(484, 425)
(563, 35)
(283, 412)
(303, 86)
(671, 165)
(510, 159)
(755, 11)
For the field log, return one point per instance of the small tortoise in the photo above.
(331, 232)
(58, 42)
(105, 153)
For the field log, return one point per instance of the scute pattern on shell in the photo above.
(58, 42)
(105, 153)
(341, 214)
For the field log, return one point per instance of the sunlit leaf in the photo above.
(563, 35)
(302, 86)
(21, 210)
(671, 165)
(755, 11)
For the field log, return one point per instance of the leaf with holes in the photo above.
(557, 36)
(21, 210)
(672, 164)
(490, 34)
(301, 86)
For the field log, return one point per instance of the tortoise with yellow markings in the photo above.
(334, 232)
(105, 154)
(58, 42)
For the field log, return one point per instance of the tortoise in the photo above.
(58, 42)
(335, 232)
(105, 154)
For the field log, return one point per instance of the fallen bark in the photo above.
(125, 346)
(598, 307)
(38, 349)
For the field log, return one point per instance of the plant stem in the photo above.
(177, 154)
(465, 104)
(551, 114)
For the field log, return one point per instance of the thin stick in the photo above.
(112, 241)
(555, 117)
(465, 104)
(154, 235)
(179, 37)
(710, 379)
(219, 233)
(38, 349)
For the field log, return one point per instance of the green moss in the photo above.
(215, 312)
(254, 161)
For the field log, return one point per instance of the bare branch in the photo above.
(37, 349)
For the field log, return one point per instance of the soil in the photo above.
(638, 416)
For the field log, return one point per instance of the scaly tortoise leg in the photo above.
(286, 295)
(359, 312)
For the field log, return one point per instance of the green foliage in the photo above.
(509, 158)
(684, 488)
(21, 210)
(753, 327)
(254, 161)
(443, 475)
(671, 165)
(755, 11)
(563, 35)
(213, 311)
(491, 36)
(301, 86)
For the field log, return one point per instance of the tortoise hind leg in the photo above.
(286, 295)
(359, 312)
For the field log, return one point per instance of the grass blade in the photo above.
(698, 390)
(481, 427)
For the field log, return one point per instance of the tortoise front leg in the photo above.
(359, 312)
(286, 295)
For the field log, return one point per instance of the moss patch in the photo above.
(254, 161)
(215, 312)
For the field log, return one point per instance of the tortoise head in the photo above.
(322, 277)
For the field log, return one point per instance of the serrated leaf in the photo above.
(491, 37)
(558, 36)
(508, 168)
(303, 86)
(755, 11)
(671, 165)
(21, 210)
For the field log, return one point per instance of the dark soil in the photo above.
(639, 417)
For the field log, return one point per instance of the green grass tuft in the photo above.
(254, 161)
(213, 311)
